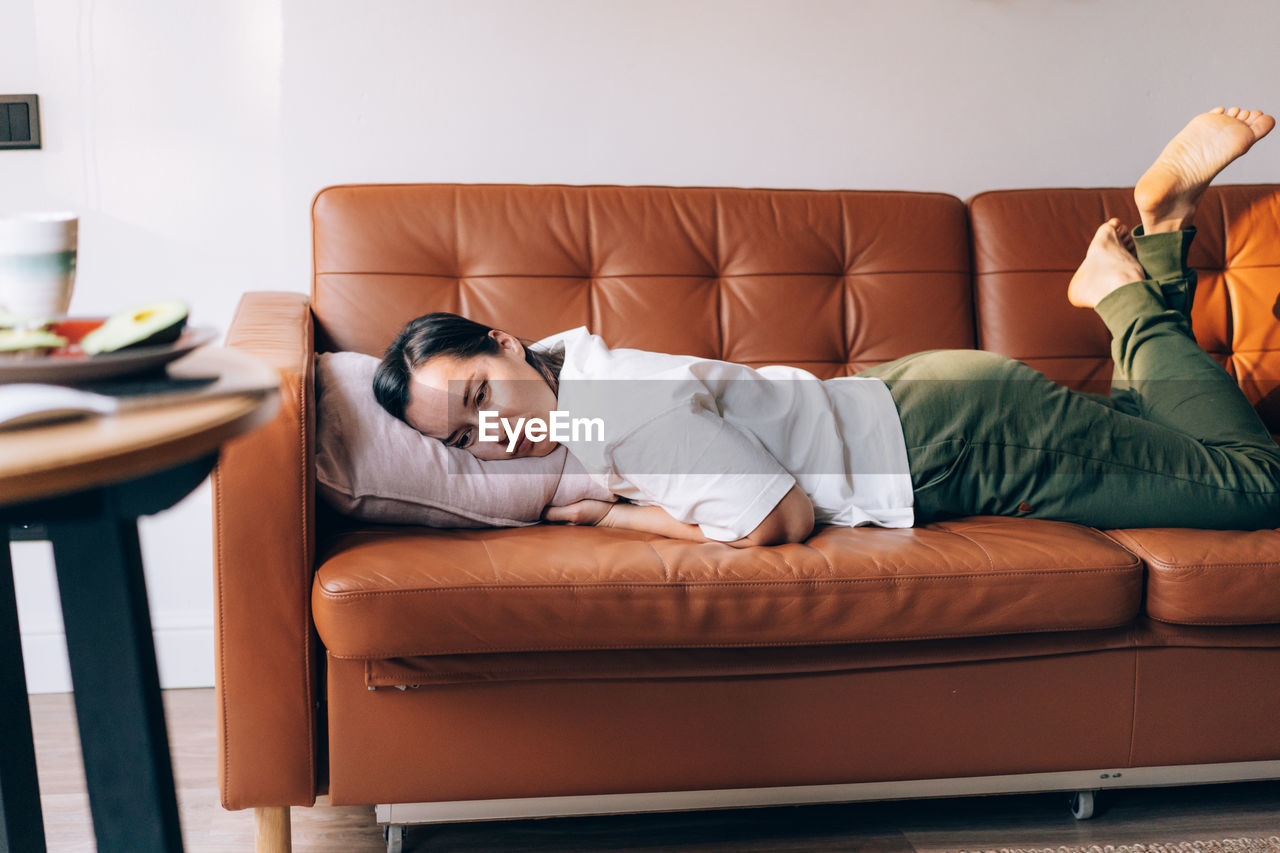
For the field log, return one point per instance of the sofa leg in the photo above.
(272, 825)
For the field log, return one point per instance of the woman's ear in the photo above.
(507, 341)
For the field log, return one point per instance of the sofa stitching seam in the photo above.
(1160, 564)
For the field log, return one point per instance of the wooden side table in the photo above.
(83, 485)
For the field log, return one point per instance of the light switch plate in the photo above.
(19, 121)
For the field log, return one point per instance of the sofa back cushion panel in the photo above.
(786, 660)
(386, 593)
(1028, 242)
(824, 280)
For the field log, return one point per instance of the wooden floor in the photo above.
(929, 826)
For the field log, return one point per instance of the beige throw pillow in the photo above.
(373, 467)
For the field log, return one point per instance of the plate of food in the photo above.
(84, 349)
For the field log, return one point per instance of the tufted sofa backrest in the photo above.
(831, 281)
(1026, 244)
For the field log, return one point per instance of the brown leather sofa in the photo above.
(564, 670)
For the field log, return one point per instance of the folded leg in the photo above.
(1159, 365)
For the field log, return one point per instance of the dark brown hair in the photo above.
(442, 333)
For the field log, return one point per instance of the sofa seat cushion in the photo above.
(401, 592)
(1209, 577)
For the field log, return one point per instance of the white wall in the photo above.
(191, 137)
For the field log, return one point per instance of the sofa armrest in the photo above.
(264, 552)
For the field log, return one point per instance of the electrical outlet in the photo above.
(19, 121)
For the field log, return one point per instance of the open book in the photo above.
(24, 404)
(203, 374)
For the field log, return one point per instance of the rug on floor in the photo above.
(1226, 845)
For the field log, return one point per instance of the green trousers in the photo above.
(1175, 444)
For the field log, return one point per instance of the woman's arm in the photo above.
(790, 521)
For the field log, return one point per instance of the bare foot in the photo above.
(1126, 237)
(1106, 266)
(1169, 191)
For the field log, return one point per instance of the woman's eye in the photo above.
(482, 393)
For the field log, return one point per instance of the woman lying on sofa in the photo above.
(704, 449)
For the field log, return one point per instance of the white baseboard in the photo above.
(184, 655)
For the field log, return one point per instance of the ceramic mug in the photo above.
(37, 263)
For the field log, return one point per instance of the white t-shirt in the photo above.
(719, 444)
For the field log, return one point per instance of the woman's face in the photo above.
(447, 394)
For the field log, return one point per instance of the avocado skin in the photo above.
(167, 335)
(124, 330)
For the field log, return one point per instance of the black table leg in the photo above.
(117, 686)
(21, 823)
(113, 664)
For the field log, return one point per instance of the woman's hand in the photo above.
(791, 520)
(583, 512)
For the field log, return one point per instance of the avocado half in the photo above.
(147, 325)
(21, 340)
